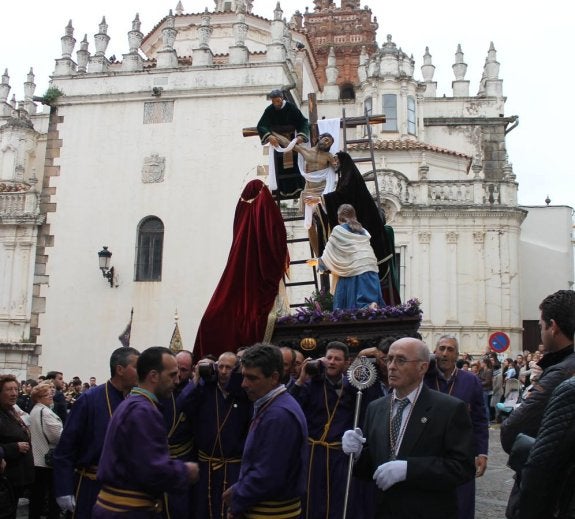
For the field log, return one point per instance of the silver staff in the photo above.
(361, 374)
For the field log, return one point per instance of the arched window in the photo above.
(149, 251)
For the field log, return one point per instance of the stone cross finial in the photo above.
(179, 8)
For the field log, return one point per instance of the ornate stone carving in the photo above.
(451, 237)
(153, 169)
(478, 237)
(424, 236)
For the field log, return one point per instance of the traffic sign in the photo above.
(499, 342)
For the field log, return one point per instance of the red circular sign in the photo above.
(499, 342)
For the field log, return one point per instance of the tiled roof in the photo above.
(408, 145)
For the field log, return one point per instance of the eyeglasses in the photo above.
(399, 361)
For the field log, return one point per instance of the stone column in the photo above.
(452, 302)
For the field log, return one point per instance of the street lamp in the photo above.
(104, 257)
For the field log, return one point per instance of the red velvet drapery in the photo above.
(238, 311)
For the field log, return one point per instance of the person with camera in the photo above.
(45, 429)
(219, 412)
(328, 402)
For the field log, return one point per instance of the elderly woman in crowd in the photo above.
(46, 428)
(14, 441)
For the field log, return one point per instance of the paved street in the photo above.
(492, 489)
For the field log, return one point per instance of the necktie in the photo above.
(396, 424)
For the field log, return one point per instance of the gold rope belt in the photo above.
(178, 450)
(122, 500)
(216, 463)
(88, 472)
(327, 445)
(275, 509)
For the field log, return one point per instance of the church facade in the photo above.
(144, 155)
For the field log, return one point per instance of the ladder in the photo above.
(371, 176)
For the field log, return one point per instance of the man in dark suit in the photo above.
(418, 445)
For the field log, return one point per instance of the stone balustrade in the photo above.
(18, 203)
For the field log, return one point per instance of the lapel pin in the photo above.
(424, 419)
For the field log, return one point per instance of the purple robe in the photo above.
(180, 444)
(78, 451)
(327, 476)
(467, 387)
(274, 462)
(136, 460)
(220, 426)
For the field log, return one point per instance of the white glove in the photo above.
(352, 442)
(390, 473)
(66, 503)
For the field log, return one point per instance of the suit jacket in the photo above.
(439, 448)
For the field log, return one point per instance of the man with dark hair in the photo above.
(328, 402)
(557, 325)
(24, 401)
(135, 467)
(274, 461)
(60, 404)
(78, 451)
(448, 379)
(418, 444)
(284, 118)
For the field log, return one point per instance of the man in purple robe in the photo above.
(328, 402)
(220, 413)
(135, 467)
(78, 451)
(274, 462)
(466, 386)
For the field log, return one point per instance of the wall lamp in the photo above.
(104, 259)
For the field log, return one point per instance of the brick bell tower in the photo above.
(347, 29)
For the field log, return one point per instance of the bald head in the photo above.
(226, 363)
(184, 360)
(407, 363)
